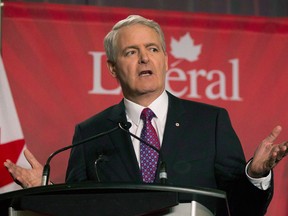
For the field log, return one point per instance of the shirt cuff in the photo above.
(262, 183)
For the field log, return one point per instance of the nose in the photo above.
(143, 57)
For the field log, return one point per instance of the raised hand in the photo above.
(268, 155)
(26, 177)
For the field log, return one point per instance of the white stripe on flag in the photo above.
(10, 128)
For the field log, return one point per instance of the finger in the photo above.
(13, 171)
(10, 166)
(279, 156)
(7, 163)
(283, 150)
(273, 135)
(278, 152)
(31, 159)
(286, 152)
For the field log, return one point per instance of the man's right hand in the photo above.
(26, 177)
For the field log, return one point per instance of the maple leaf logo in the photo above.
(185, 49)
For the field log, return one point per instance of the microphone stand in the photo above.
(46, 169)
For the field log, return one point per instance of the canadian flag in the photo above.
(12, 142)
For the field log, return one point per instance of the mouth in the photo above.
(145, 73)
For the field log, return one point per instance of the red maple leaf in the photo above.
(12, 151)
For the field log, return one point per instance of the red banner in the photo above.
(55, 63)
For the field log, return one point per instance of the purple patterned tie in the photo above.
(148, 156)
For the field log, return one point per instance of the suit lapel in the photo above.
(122, 142)
(173, 129)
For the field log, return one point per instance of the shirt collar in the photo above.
(158, 106)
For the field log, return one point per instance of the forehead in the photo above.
(137, 34)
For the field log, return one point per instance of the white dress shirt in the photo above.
(133, 112)
(160, 108)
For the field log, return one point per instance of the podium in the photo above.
(109, 200)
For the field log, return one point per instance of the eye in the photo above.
(153, 49)
(130, 52)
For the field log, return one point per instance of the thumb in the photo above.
(31, 159)
(273, 135)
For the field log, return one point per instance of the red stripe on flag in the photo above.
(11, 150)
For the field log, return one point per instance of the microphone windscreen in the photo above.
(126, 125)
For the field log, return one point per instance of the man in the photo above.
(197, 140)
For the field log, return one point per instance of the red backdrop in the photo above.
(55, 64)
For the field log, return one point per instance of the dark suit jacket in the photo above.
(203, 151)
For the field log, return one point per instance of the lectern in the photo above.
(109, 200)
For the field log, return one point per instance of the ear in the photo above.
(112, 68)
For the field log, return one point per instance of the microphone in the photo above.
(162, 173)
(46, 168)
(100, 158)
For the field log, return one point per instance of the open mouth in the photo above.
(145, 73)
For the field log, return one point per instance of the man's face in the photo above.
(141, 64)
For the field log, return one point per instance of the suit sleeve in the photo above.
(76, 170)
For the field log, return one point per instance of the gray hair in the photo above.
(110, 41)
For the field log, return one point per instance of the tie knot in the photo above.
(147, 114)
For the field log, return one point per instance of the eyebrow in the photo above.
(136, 47)
(152, 44)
